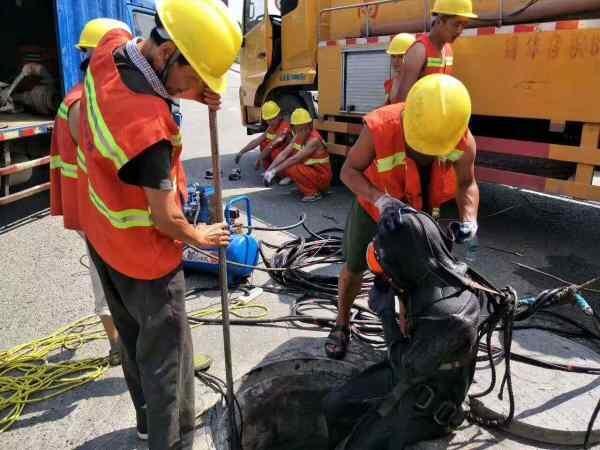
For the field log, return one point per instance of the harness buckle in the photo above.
(445, 413)
(424, 398)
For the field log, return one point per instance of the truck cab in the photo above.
(278, 56)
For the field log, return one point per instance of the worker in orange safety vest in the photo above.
(132, 186)
(397, 49)
(420, 152)
(63, 169)
(273, 140)
(304, 161)
(432, 52)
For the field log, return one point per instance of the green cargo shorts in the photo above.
(360, 230)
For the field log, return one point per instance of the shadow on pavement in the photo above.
(24, 211)
(59, 407)
(124, 439)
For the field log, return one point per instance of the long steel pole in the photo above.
(218, 205)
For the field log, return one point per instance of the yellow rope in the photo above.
(26, 376)
(248, 311)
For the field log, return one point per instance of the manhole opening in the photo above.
(282, 405)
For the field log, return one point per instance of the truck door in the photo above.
(72, 15)
(257, 48)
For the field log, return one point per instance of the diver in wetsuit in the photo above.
(416, 394)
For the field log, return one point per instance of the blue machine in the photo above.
(243, 249)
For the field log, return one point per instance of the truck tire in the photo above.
(288, 103)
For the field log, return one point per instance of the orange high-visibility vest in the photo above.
(116, 126)
(387, 86)
(283, 128)
(436, 61)
(63, 164)
(319, 157)
(396, 174)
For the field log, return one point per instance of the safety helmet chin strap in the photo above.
(164, 73)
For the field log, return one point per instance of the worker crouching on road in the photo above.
(273, 140)
(305, 160)
(397, 49)
(432, 53)
(63, 170)
(131, 189)
(416, 394)
(421, 153)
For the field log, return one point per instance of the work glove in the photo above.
(268, 177)
(238, 157)
(387, 201)
(463, 231)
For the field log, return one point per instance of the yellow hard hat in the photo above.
(400, 44)
(463, 8)
(270, 110)
(436, 115)
(205, 34)
(95, 29)
(300, 116)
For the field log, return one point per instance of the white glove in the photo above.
(269, 175)
(386, 201)
(463, 231)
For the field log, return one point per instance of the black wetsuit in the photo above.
(416, 394)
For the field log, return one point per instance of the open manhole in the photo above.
(281, 399)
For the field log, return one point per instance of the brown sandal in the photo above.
(337, 342)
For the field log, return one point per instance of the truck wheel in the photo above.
(288, 103)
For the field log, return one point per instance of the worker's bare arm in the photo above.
(467, 195)
(414, 61)
(298, 157)
(360, 156)
(73, 120)
(170, 220)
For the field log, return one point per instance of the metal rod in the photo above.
(357, 5)
(218, 202)
(343, 7)
(20, 167)
(5, 200)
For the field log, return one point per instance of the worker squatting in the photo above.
(117, 178)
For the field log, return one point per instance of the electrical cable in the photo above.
(300, 222)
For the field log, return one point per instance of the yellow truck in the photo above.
(532, 67)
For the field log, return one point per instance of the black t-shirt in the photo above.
(152, 167)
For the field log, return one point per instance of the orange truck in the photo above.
(532, 67)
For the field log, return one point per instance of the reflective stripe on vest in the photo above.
(312, 162)
(81, 163)
(126, 218)
(271, 136)
(390, 162)
(63, 111)
(453, 156)
(176, 140)
(440, 62)
(66, 169)
(103, 139)
(398, 159)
